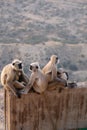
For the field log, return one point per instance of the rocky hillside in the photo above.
(36, 21)
(73, 58)
(45, 27)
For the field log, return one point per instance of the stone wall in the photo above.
(49, 111)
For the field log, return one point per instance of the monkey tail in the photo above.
(46, 101)
(5, 106)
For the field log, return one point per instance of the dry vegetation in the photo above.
(36, 21)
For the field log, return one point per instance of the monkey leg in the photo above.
(72, 85)
(56, 85)
(26, 89)
(61, 81)
(9, 86)
(18, 85)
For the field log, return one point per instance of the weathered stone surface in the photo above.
(49, 111)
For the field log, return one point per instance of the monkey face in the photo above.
(17, 64)
(56, 60)
(34, 67)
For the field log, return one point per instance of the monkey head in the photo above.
(61, 70)
(17, 65)
(63, 74)
(54, 59)
(34, 67)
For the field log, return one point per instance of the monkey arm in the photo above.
(18, 85)
(29, 85)
(62, 81)
(54, 72)
(48, 72)
(24, 77)
(67, 75)
(26, 89)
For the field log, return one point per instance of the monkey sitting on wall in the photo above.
(61, 73)
(37, 79)
(50, 70)
(13, 77)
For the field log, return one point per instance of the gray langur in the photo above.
(13, 77)
(37, 79)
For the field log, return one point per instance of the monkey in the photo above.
(37, 79)
(62, 74)
(72, 85)
(50, 70)
(13, 77)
